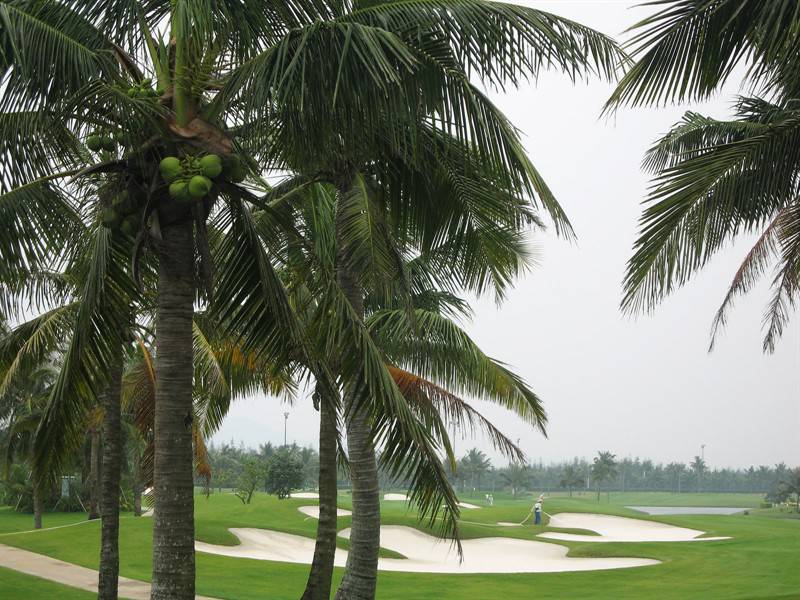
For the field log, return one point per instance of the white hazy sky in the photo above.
(638, 387)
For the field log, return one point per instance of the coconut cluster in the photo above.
(191, 178)
(124, 213)
(143, 90)
(101, 140)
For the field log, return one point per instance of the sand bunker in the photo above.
(426, 554)
(306, 495)
(467, 505)
(313, 511)
(620, 529)
(400, 497)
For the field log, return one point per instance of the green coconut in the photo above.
(130, 226)
(199, 186)
(211, 164)
(234, 169)
(125, 203)
(110, 218)
(179, 190)
(170, 168)
(108, 143)
(94, 142)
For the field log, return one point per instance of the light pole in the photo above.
(703, 452)
(285, 421)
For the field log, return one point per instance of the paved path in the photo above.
(59, 571)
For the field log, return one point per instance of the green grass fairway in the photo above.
(759, 563)
(16, 585)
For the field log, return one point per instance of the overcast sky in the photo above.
(638, 387)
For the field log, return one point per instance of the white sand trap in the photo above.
(467, 505)
(265, 544)
(313, 511)
(306, 495)
(507, 524)
(426, 554)
(399, 497)
(620, 529)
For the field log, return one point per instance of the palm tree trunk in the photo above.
(94, 474)
(361, 576)
(173, 528)
(37, 507)
(318, 586)
(109, 502)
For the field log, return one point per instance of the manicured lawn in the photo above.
(11, 520)
(15, 585)
(760, 562)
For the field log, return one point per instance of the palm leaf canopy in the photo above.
(716, 180)
(688, 48)
(410, 413)
(376, 84)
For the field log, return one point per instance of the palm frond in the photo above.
(706, 199)
(785, 284)
(35, 219)
(99, 334)
(425, 396)
(688, 48)
(407, 447)
(749, 272)
(28, 345)
(438, 349)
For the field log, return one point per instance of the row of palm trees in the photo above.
(404, 187)
(419, 161)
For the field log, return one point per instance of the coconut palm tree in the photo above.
(430, 342)
(474, 465)
(717, 179)
(186, 80)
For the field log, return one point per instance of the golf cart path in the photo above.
(69, 574)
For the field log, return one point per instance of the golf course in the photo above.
(757, 562)
(399, 299)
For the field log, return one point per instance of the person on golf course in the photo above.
(537, 511)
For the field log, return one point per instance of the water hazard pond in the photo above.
(687, 510)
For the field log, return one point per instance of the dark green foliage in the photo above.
(253, 472)
(285, 473)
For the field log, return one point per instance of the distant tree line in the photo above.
(606, 472)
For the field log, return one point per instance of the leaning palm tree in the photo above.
(714, 179)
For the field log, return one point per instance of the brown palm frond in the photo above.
(785, 283)
(424, 395)
(747, 274)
